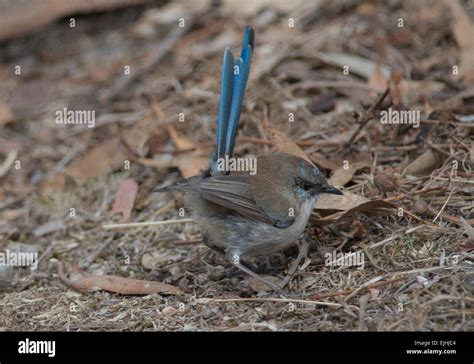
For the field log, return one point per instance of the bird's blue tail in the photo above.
(233, 83)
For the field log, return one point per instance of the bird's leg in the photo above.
(301, 254)
(207, 242)
(234, 258)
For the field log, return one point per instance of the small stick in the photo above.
(8, 162)
(453, 219)
(445, 203)
(403, 195)
(146, 223)
(368, 115)
(457, 180)
(349, 291)
(187, 241)
(269, 299)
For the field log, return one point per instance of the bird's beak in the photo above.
(332, 190)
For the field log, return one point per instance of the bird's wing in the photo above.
(232, 192)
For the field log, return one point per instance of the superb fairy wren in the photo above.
(247, 214)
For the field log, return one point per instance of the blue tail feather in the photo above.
(225, 101)
(234, 81)
(249, 39)
(237, 100)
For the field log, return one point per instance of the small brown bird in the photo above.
(243, 214)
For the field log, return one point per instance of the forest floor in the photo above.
(317, 73)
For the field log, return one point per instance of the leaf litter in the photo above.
(397, 182)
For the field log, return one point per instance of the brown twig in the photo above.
(269, 299)
(368, 115)
(187, 241)
(349, 291)
(410, 194)
(444, 215)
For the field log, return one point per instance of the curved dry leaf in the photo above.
(193, 164)
(348, 204)
(259, 286)
(339, 202)
(125, 198)
(6, 114)
(189, 164)
(89, 282)
(342, 176)
(282, 143)
(463, 30)
(97, 160)
(155, 260)
(377, 80)
(324, 162)
(181, 141)
(425, 163)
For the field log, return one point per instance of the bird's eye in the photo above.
(301, 183)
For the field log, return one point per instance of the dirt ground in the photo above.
(151, 74)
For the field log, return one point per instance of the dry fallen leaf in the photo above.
(155, 260)
(463, 31)
(102, 158)
(342, 176)
(181, 141)
(89, 282)
(106, 155)
(259, 286)
(425, 163)
(468, 229)
(282, 143)
(22, 17)
(12, 214)
(348, 204)
(336, 202)
(377, 80)
(190, 164)
(125, 199)
(321, 161)
(93, 163)
(6, 114)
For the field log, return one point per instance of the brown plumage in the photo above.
(247, 215)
